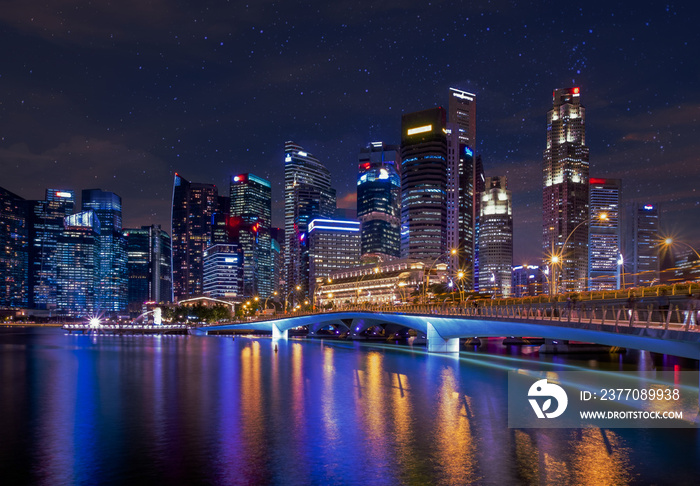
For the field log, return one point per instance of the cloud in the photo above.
(348, 201)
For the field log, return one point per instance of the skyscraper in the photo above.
(496, 238)
(641, 257)
(78, 265)
(112, 292)
(14, 254)
(424, 185)
(223, 271)
(604, 234)
(307, 195)
(251, 201)
(148, 266)
(565, 195)
(378, 202)
(193, 206)
(333, 245)
(45, 228)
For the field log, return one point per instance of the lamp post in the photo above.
(268, 297)
(286, 298)
(460, 278)
(453, 251)
(558, 258)
(670, 241)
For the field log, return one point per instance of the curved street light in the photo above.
(286, 297)
(452, 251)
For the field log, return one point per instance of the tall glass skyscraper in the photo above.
(148, 264)
(641, 257)
(496, 238)
(14, 254)
(45, 228)
(112, 291)
(307, 195)
(604, 234)
(193, 206)
(565, 195)
(424, 185)
(251, 201)
(379, 202)
(78, 265)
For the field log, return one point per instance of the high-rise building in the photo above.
(465, 178)
(565, 195)
(223, 271)
(112, 292)
(193, 206)
(333, 245)
(307, 195)
(604, 234)
(14, 251)
(496, 238)
(424, 185)
(78, 265)
(148, 266)
(641, 256)
(251, 201)
(46, 226)
(378, 202)
(278, 250)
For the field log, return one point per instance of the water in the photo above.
(212, 410)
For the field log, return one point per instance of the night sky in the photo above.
(119, 95)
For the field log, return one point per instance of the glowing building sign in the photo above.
(423, 129)
(63, 194)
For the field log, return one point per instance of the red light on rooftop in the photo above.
(365, 166)
(596, 181)
(576, 90)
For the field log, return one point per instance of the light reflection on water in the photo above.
(79, 409)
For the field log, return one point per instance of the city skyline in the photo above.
(104, 97)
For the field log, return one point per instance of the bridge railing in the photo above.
(671, 317)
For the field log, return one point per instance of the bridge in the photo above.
(666, 331)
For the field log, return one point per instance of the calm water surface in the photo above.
(211, 410)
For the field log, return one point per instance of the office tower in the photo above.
(14, 251)
(333, 245)
(641, 256)
(278, 251)
(565, 195)
(112, 292)
(378, 202)
(223, 271)
(251, 201)
(604, 234)
(46, 225)
(465, 178)
(307, 195)
(193, 206)
(479, 187)
(496, 238)
(78, 277)
(148, 266)
(686, 266)
(528, 281)
(424, 185)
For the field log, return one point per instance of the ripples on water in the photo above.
(212, 410)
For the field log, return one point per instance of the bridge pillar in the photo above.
(438, 344)
(277, 334)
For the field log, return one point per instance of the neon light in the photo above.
(648, 207)
(596, 181)
(468, 151)
(231, 260)
(423, 129)
(63, 194)
(576, 91)
(383, 174)
(302, 154)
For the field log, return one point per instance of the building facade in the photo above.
(641, 256)
(112, 292)
(307, 195)
(565, 194)
(148, 266)
(14, 251)
(78, 265)
(379, 202)
(424, 185)
(496, 238)
(223, 272)
(529, 281)
(251, 201)
(193, 206)
(604, 234)
(333, 245)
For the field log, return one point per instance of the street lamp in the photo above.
(668, 242)
(286, 298)
(268, 297)
(453, 251)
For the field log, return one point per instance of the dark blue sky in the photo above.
(119, 95)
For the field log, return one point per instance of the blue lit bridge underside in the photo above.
(443, 332)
